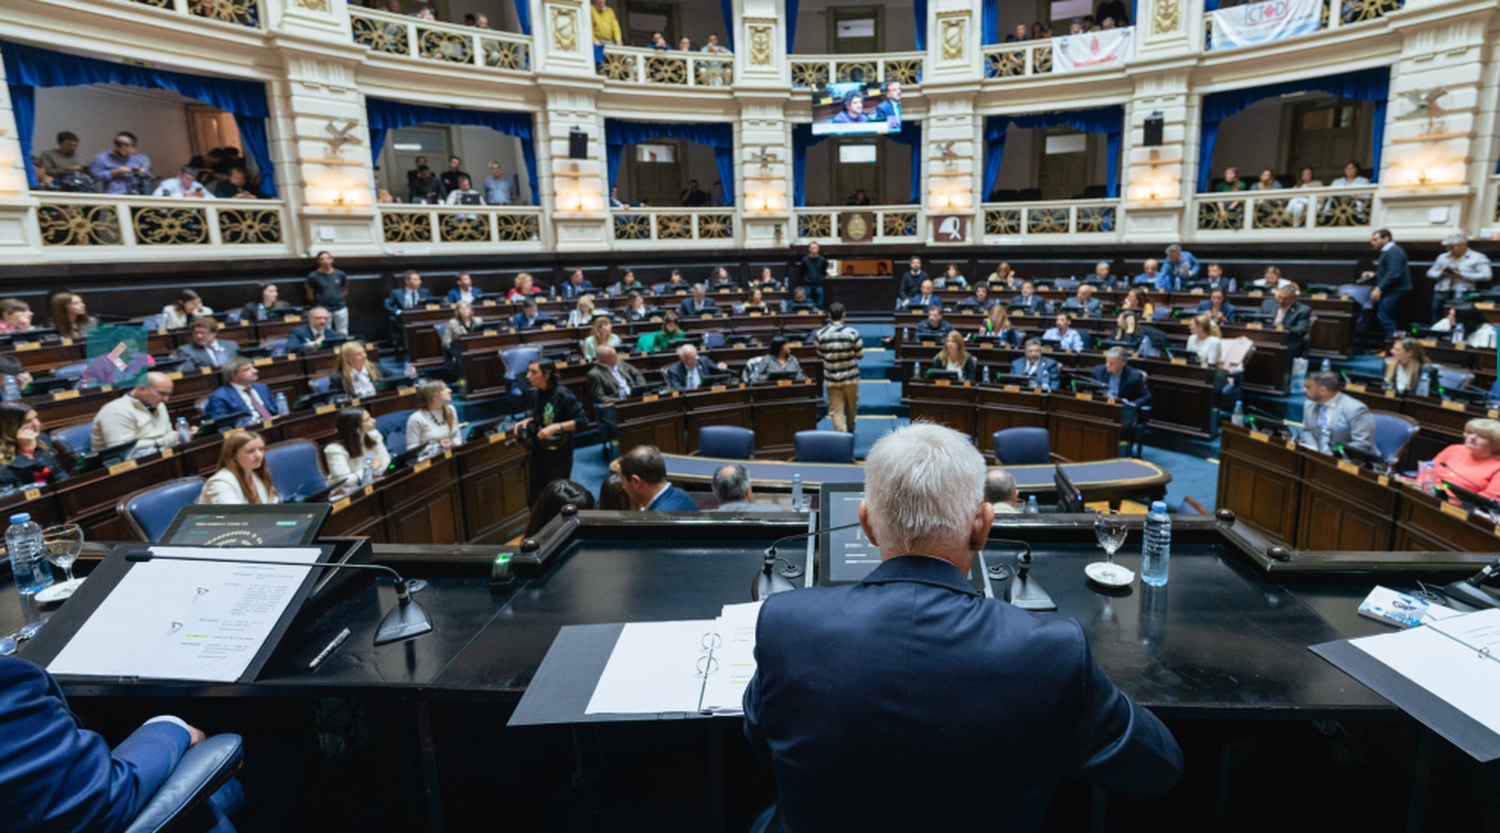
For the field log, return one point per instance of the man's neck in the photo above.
(961, 559)
(654, 495)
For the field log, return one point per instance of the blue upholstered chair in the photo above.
(824, 447)
(392, 428)
(726, 442)
(1452, 378)
(1393, 432)
(320, 384)
(277, 346)
(1023, 447)
(76, 439)
(71, 371)
(199, 774)
(148, 512)
(516, 359)
(1357, 292)
(712, 340)
(296, 467)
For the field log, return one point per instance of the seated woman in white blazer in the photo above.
(242, 476)
(434, 420)
(354, 428)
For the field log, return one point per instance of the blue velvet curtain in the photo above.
(989, 22)
(1107, 120)
(1372, 84)
(791, 24)
(803, 138)
(523, 16)
(389, 115)
(618, 133)
(728, 7)
(920, 8)
(27, 67)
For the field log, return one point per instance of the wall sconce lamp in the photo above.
(339, 199)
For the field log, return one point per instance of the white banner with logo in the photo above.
(1264, 22)
(1103, 49)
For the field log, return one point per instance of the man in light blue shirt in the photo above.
(498, 189)
(120, 167)
(1070, 338)
(1182, 267)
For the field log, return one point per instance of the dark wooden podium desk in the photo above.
(1224, 644)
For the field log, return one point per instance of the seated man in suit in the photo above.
(1063, 333)
(1029, 302)
(1153, 277)
(207, 350)
(925, 296)
(313, 334)
(1045, 372)
(576, 286)
(643, 474)
(241, 392)
(1125, 382)
(855, 684)
(981, 299)
(689, 372)
(612, 378)
(1331, 418)
(465, 291)
(57, 775)
(1216, 279)
(732, 488)
(933, 327)
(410, 295)
(1286, 311)
(528, 317)
(1084, 303)
(1101, 277)
(1220, 310)
(699, 304)
(798, 302)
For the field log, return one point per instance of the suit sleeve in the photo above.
(1144, 397)
(392, 305)
(573, 409)
(1120, 745)
(1362, 430)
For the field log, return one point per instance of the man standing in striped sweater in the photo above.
(841, 348)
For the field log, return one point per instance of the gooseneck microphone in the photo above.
(1445, 465)
(407, 620)
(768, 580)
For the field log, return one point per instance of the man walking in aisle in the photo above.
(841, 348)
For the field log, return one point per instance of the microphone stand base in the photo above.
(1027, 594)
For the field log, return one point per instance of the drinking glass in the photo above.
(63, 542)
(1110, 529)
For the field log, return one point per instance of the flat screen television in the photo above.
(857, 108)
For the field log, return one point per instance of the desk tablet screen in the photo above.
(850, 555)
(270, 526)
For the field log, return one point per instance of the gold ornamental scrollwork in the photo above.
(160, 4)
(908, 71)
(1005, 64)
(1359, 11)
(713, 73)
(715, 226)
(170, 226)
(617, 66)
(79, 225)
(314, 5)
(674, 227)
(242, 12)
(249, 226)
(380, 35)
(1343, 211)
(814, 225)
(1166, 18)
(516, 228)
(1221, 216)
(1273, 214)
(810, 74)
(898, 224)
(1041, 60)
(464, 228)
(760, 46)
(953, 39)
(445, 46)
(501, 54)
(666, 70)
(564, 30)
(1047, 221)
(1002, 221)
(856, 71)
(1095, 220)
(401, 227)
(632, 227)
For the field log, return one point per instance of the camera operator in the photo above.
(121, 169)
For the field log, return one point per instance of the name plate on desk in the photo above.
(67, 342)
(1348, 468)
(28, 345)
(717, 388)
(707, 316)
(340, 505)
(652, 398)
(754, 315)
(1044, 349)
(1320, 296)
(1460, 345)
(1109, 400)
(66, 394)
(117, 468)
(325, 409)
(1453, 406)
(432, 307)
(494, 438)
(942, 383)
(1196, 292)
(167, 452)
(1084, 397)
(1382, 480)
(422, 466)
(1487, 305)
(1256, 294)
(1354, 387)
(794, 344)
(723, 292)
(33, 494)
(1280, 328)
(562, 364)
(262, 362)
(1390, 394)
(492, 332)
(656, 319)
(739, 345)
(1179, 361)
(204, 371)
(1291, 445)
(1012, 388)
(405, 391)
(803, 312)
(265, 423)
(291, 319)
(1254, 325)
(1259, 437)
(488, 303)
(447, 454)
(1427, 342)
(786, 383)
(548, 327)
(1454, 511)
(161, 331)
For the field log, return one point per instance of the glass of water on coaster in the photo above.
(63, 543)
(1110, 528)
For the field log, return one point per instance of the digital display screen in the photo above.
(857, 108)
(224, 526)
(851, 556)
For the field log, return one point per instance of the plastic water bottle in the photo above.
(184, 433)
(282, 408)
(369, 476)
(1424, 385)
(797, 492)
(906, 334)
(28, 555)
(12, 390)
(1031, 507)
(1327, 366)
(1046, 378)
(916, 370)
(1156, 549)
(986, 374)
(1238, 419)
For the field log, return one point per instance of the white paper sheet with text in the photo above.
(734, 660)
(1455, 659)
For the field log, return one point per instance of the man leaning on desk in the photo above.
(912, 687)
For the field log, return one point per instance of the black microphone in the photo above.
(1471, 590)
(1445, 465)
(768, 580)
(407, 620)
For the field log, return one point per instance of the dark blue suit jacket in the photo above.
(302, 335)
(476, 292)
(225, 400)
(1049, 366)
(568, 290)
(677, 376)
(518, 321)
(879, 688)
(1392, 271)
(1132, 384)
(396, 301)
(674, 500)
(1205, 306)
(59, 777)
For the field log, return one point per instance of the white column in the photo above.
(20, 239)
(1157, 182)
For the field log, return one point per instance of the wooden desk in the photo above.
(1079, 427)
(775, 411)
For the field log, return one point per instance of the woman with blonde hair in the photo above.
(997, 323)
(525, 285)
(583, 313)
(1473, 464)
(601, 333)
(434, 420)
(463, 322)
(356, 374)
(954, 356)
(1003, 275)
(1205, 340)
(1406, 366)
(242, 476)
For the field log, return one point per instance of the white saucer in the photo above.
(59, 592)
(1109, 575)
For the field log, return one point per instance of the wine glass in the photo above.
(1110, 528)
(63, 542)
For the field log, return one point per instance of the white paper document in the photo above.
(735, 660)
(1457, 660)
(186, 620)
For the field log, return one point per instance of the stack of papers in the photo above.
(1457, 660)
(701, 665)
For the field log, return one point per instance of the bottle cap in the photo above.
(1158, 506)
(20, 517)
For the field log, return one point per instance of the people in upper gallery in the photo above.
(1473, 464)
(643, 473)
(1116, 10)
(554, 415)
(455, 175)
(463, 322)
(685, 44)
(997, 323)
(1128, 329)
(549, 504)
(951, 279)
(1458, 271)
(576, 286)
(243, 476)
(433, 418)
(1123, 381)
(1216, 280)
(658, 41)
(854, 109)
(1062, 331)
(628, 283)
(1466, 324)
(1204, 340)
(1331, 418)
(1043, 370)
(529, 316)
(1102, 277)
(798, 302)
(1406, 366)
(1297, 206)
(1020, 34)
(612, 378)
(235, 187)
(328, 288)
(601, 334)
(926, 296)
(1003, 276)
(421, 161)
(241, 393)
(777, 359)
(1351, 176)
(814, 272)
(1271, 279)
(61, 160)
(1049, 711)
(70, 316)
(183, 311)
(663, 339)
(981, 299)
(933, 327)
(734, 492)
(410, 295)
(756, 302)
(185, 184)
(28, 459)
(1029, 302)
(499, 189)
(913, 278)
(358, 451)
(1232, 181)
(606, 25)
(525, 287)
(15, 315)
(1392, 277)
(1181, 266)
(692, 196)
(955, 356)
(1217, 308)
(1152, 276)
(691, 371)
(859, 197)
(1285, 310)
(463, 193)
(356, 375)
(426, 188)
(766, 281)
(698, 304)
(206, 348)
(582, 313)
(1266, 182)
(266, 304)
(465, 290)
(139, 415)
(122, 169)
(636, 308)
(1083, 302)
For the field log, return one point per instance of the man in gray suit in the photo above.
(611, 379)
(206, 349)
(732, 488)
(1331, 418)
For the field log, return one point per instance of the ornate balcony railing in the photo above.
(646, 224)
(1350, 12)
(1283, 209)
(816, 71)
(395, 34)
(1040, 219)
(83, 221)
(1017, 60)
(460, 224)
(892, 222)
(240, 12)
(666, 67)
